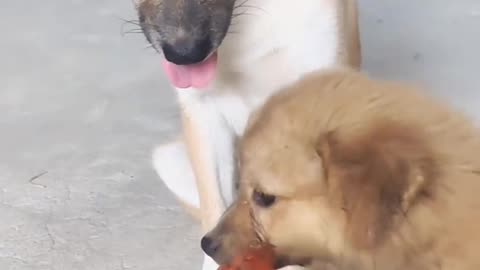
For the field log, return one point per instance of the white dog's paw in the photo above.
(209, 263)
(293, 267)
(173, 166)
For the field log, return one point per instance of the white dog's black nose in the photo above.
(209, 245)
(187, 50)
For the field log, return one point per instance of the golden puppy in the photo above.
(345, 172)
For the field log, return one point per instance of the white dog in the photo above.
(226, 57)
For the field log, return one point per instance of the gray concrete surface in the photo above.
(82, 106)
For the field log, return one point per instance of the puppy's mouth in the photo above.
(199, 75)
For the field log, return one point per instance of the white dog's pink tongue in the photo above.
(197, 75)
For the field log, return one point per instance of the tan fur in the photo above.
(351, 32)
(367, 174)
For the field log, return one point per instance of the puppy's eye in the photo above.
(263, 200)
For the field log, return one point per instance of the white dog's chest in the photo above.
(238, 102)
(272, 48)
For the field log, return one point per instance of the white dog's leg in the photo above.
(173, 166)
(211, 143)
(293, 267)
(209, 263)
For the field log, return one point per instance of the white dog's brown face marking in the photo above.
(186, 31)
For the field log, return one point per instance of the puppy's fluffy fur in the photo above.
(355, 173)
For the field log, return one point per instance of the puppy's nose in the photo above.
(209, 245)
(187, 50)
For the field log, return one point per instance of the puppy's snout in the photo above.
(187, 50)
(209, 245)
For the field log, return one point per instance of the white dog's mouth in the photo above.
(199, 75)
(188, 34)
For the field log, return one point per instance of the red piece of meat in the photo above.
(253, 259)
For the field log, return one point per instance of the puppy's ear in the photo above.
(376, 176)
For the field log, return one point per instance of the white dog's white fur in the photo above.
(277, 43)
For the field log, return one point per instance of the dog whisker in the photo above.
(244, 4)
(132, 31)
(134, 22)
(243, 8)
(242, 13)
(137, 26)
(239, 4)
(149, 46)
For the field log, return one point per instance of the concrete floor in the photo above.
(82, 106)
